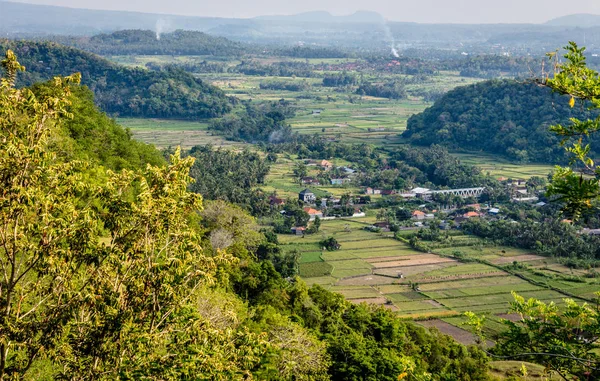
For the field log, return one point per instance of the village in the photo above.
(415, 208)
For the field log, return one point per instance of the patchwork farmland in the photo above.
(433, 288)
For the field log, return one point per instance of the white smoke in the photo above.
(161, 26)
(390, 38)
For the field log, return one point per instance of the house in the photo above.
(494, 211)
(376, 129)
(540, 204)
(471, 215)
(421, 192)
(276, 201)
(407, 195)
(313, 213)
(349, 171)
(372, 191)
(299, 230)
(476, 207)
(326, 165)
(307, 196)
(337, 181)
(310, 181)
(418, 215)
(317, 112)
(591, 231)
(388, 192)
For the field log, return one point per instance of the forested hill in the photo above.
(500, 116)
(170, 93)
(147, 42)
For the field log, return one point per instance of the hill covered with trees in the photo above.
(147, 42)
(169, 93)
(503, 117)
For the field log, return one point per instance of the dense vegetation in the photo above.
(146, 42)
(91, 136)
(171, 93)
(390, 90)
(500, 116)
(264, 123)
(221, 174)
(553, 237)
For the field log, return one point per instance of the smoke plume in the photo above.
(161, 25)
(390, 38)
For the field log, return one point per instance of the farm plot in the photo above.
(357, 292)
(461, 335)
(409, 271)
(367, 280)
(422, 307)
(349, 268)
(315, 269)
(407, 261)
(517, 258)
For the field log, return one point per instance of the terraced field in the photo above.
(438, 287)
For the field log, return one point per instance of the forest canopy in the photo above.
(504, 117)
(133, 92)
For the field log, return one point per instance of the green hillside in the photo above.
(503, 117)
(171, 93)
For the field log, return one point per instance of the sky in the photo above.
(424, 11)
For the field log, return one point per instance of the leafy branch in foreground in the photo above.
(563, 340)
(578, 191)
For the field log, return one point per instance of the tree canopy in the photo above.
(170, 93)
(503, 117)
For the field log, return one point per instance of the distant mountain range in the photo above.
(579, 20)
(361, 30)
(326, 17)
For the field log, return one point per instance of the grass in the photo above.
(315, 269)
(170, 133)
(309, 257)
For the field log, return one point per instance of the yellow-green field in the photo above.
(171, 133)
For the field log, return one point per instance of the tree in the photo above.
(45, 236)
(330, 244)
(300, 171)
(564, 341)
(102, 279)
(575, 79)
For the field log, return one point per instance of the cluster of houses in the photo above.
(346, 176)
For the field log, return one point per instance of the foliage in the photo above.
(561, 339)
(220, 175)
(296, 85)
(90, 135)
(340, 80)
(390, 90)
(575, 79)
(504, 117)
(553, 237)
(146, 42)
(264, 123)
(171, 93)
(330, 244)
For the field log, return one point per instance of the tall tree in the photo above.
(579, 191)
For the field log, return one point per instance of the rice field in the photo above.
(376, 269)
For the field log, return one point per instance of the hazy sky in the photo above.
(431, 11)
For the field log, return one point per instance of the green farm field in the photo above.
(171, 133)
(433, 286)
